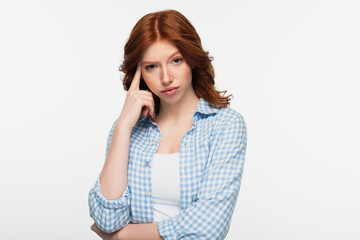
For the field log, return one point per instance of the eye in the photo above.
(149, 67)
(177, 60)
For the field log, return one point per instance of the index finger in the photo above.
(135, 84)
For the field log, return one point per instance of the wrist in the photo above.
(122, 128)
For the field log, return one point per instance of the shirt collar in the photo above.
(203, 107)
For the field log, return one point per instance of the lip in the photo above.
(168, 89)
(170, 92)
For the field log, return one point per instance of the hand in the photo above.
(135, 101)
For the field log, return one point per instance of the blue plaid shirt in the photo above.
(212, 156)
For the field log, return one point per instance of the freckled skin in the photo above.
(161, 69)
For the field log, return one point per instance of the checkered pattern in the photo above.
(212, 156)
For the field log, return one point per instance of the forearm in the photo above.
(113, 178)
(131, 232)
(140, 232)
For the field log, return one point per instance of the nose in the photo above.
(166, 76)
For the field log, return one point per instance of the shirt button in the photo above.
(146, 163)
(148, 194)
(185, 144)
(154, 142)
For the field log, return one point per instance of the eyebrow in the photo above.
(172, 55)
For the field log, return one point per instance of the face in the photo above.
(164, 67)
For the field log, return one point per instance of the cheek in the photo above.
(149, 80)
(187, 74)
(183, 72)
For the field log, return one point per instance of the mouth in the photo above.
(169, 89)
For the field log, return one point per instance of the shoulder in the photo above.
(229, 117)
(228, 125)
(230, 113)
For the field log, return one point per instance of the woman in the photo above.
(175, 155)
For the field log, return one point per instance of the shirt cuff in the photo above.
(121, 202)
(166, 229)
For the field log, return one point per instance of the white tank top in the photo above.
(165, 184)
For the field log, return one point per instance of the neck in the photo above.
(178, 111)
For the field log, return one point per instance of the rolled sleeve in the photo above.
(109, 215)
(210, 215)
(166, 228)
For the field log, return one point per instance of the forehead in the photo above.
(159, 49)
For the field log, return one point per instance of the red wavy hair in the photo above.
(172, 25)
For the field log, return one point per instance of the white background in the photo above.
(292, 67)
